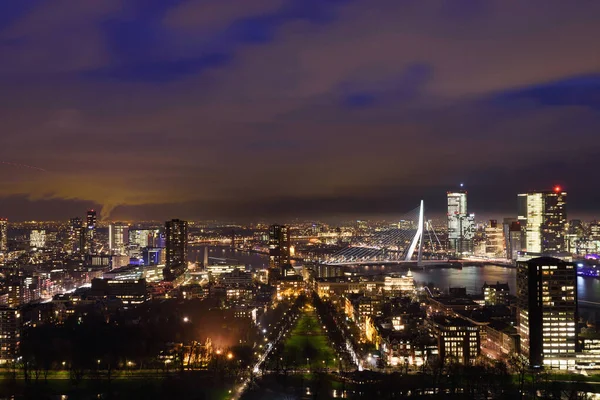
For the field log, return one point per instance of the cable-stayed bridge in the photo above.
(409, 241)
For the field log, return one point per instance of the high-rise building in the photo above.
(575, 238)
(511, 228)
(494, 239)
(547, 311)
(37, 238)
(77, 235)
(543, 218)
(91, 221)
(144, 237)
(3, 234)
(10, 334)
(461, 225)
(118, 237)
(176, 232)
(279, 246)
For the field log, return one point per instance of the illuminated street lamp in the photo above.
(229, 356)
(186, 319)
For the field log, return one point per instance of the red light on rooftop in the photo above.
(557, 189)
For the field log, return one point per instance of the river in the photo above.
(471, 277)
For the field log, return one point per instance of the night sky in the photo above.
(155, 109)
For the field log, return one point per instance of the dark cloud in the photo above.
(282, 108)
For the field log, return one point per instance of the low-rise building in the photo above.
(496, 294)
(457, 338)
(131, 292)
(412, 348)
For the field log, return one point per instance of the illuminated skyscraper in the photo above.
(37, 238)
(144, 237)
(461, 226)
(91, 230)
(279, 246)
(3, 234)
(512, 238)
(494, 237)
(547, 311)
(543, 218)
(118, 237)
(10, 334)
(176, 232)
(77, 235)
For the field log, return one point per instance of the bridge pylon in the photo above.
(417, 239)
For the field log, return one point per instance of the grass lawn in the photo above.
(191, 386)
(308, 340)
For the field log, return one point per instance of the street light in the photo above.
(186, 319)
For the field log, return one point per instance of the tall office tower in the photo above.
(461, 226)
(118, 237)
(543, 217)
(279, 246)
(176, 232)
(575, 237)
(512, 238)
(547, 311)
(10, 334)
(37, 238)
(91, 221)
(76, 235)
(594, 236)
(3, 234)
(494, 239)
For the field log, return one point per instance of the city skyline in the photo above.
(438, 212)
(276, 108)
(269, 199)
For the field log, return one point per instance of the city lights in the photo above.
(302, 199)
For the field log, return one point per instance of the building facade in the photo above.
(458, 339)
(494, 239)
(37, 238)
(543, 218)
(10, 334)
(90, 231)
(76, 235)
(512, 238)
(176, 232)
(547, 311)
(461, 226)
(118, 237)
(3, 234)
(279, 246)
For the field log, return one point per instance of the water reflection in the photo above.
(473, 278)
(250, 260)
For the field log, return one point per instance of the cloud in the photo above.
(203, 109)
(206, 15)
